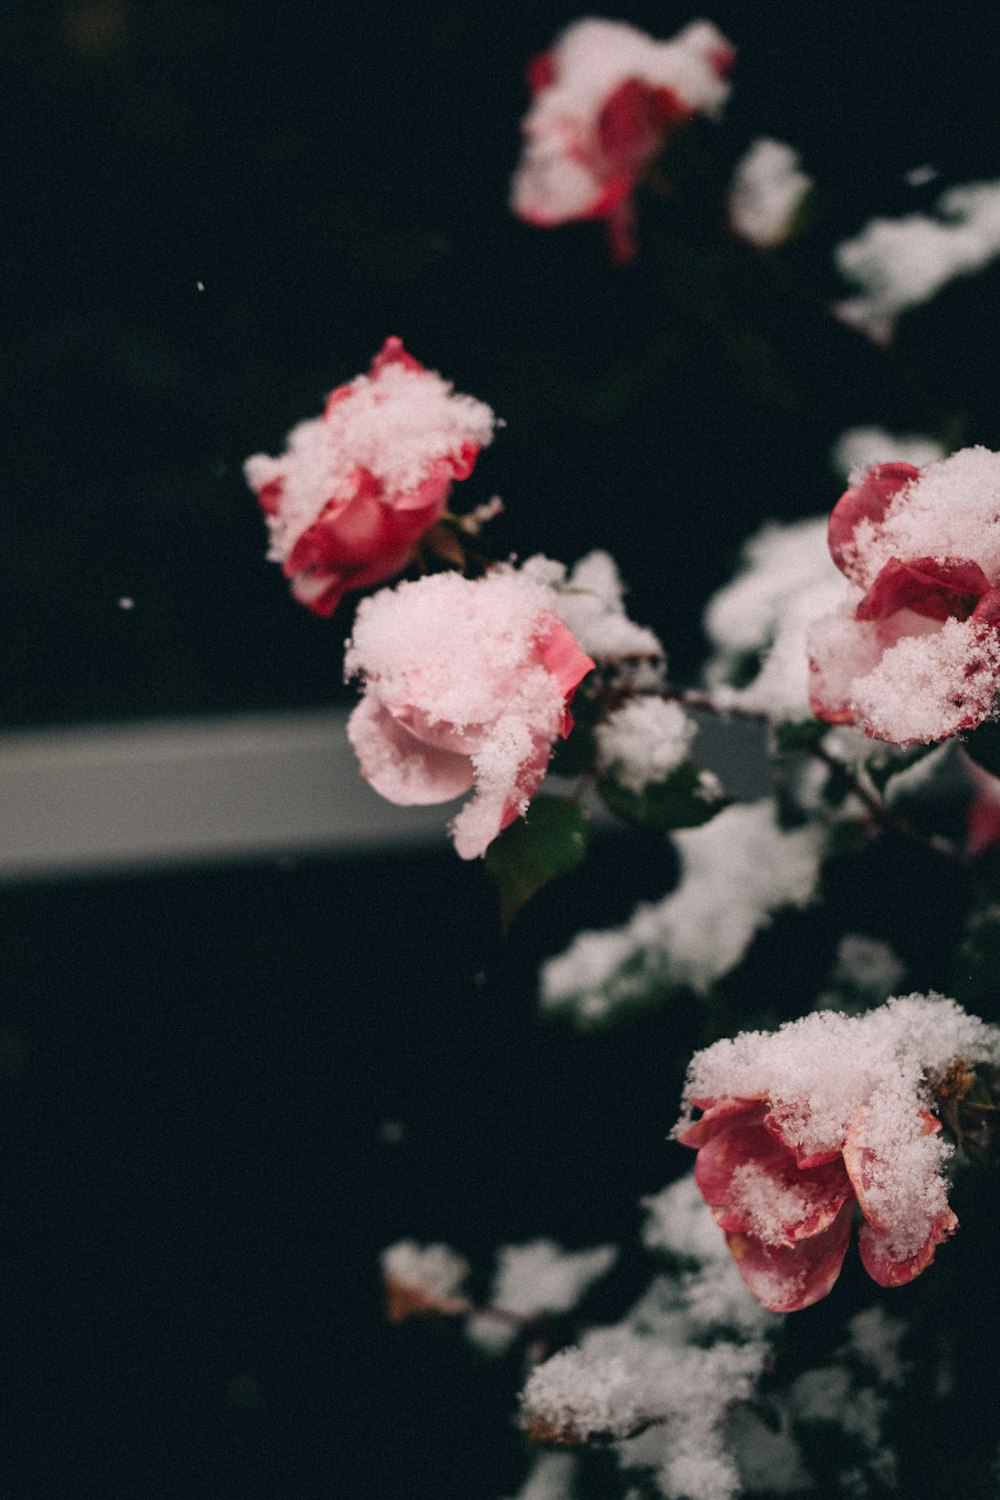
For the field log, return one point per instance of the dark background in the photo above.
(199, 1067)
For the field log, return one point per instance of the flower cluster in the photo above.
(829, 1113)
(467, 684)
(606, 99)
(913, 655)
(358, 487)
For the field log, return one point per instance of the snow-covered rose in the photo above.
(355, 490)
(467, 685)
(606, 98)
(913, 655)
(829, 1113)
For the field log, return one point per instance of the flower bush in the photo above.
(837, 1075)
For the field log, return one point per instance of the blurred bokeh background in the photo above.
(225, 1090)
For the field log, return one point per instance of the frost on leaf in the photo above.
(758, 624)
(422, 1279)
(663, 1381)
(736, 872)
(899, 263)
(535, 1278)
(767, 193)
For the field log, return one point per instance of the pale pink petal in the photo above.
(787, 1278)
(401, 767)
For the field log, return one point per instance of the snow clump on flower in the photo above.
(606, 98)
(761, 620)
(767, 189)
(735, 873)
(466, 685)
(356, 488)
(800, 1125)
(913, 653)
(590, 600)
(900, 263)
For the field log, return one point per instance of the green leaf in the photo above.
(550, 840)
(790, 736)
(888, 761)
(682, 801)
(983, 746)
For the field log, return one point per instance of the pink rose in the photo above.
(914, 655)
(787, 1212)
(356, 489)
(606, 99)
(467, 685)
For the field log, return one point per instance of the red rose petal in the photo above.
(788, 1278)
(867, 501)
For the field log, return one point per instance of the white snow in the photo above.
(899, 263)
(736, 871)
(538, 1277)
(859, 448)
(436, 1271)
(787, 582)
(397, 424)
(828, 1074)
(767, 188)
(644, 741)
(591, 602)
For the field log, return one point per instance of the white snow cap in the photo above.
(735, 872)
(899, 263)
(951, 510)
(786, 583)
(873, 1074)
(539, 1277)
(591, 601)
(456, 693)
(767, 188)
(643, 741)
(436, 1271)
(396, 424)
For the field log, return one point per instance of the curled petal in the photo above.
(867, 501)
(787, 1278)
(404, 769)
(889, 1268)
(698, 1134)
(932, 587)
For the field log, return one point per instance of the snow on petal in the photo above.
(467, 683)
(356, 488)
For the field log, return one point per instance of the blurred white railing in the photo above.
(116, 797)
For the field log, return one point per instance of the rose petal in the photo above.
(401, 767)
(932, 587)
(867, 501)
(890, 1270)
(788, 1278)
